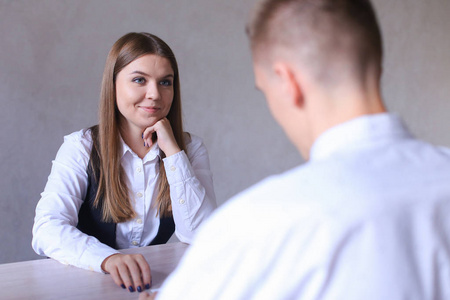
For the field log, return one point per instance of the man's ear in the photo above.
(289, 84)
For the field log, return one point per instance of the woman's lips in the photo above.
(149, 109)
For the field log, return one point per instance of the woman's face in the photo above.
(144, 92)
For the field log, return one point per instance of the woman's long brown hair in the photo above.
(112, 192)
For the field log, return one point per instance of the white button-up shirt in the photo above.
(191, 191)
(366, 218)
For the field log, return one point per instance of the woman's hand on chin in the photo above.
(165, 137)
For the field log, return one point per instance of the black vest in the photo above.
(90, 218)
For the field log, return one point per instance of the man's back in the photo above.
(365, 218)
(381, 200)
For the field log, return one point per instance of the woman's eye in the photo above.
(165, 82)
(139, 80)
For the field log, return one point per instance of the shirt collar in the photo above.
(151, 154)
(363, 130)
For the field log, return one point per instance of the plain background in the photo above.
(51, 62)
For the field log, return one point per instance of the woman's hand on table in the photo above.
(129, 271)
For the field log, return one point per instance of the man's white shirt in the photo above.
(365, 218)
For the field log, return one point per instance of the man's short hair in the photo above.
(329, 37)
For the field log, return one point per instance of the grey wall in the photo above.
(52, 57)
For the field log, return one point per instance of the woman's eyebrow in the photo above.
(145, 74)
(139, 72)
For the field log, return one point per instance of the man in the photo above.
(367, 216)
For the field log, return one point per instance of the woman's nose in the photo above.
(152, 92)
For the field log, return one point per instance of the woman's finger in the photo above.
(148, 132)
(111, 265)
(135, 273)
(124, 273)
(116, 277)
(145, 271)
(147, 136)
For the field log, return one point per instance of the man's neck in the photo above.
(326, 113)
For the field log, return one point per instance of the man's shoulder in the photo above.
(274, 199)
(270, 189)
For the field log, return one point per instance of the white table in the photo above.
(49, 279)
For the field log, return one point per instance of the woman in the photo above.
(133, 179)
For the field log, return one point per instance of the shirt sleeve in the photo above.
(191, 188)
(54, 230)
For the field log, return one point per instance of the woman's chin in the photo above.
(147, 122)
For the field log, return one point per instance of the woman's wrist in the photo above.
(172, 151)
(103, 266)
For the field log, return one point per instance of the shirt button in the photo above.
(139, 221)
(181, 201)
(138, 169)
(139, 195)
(172, 168)
(134, 243)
